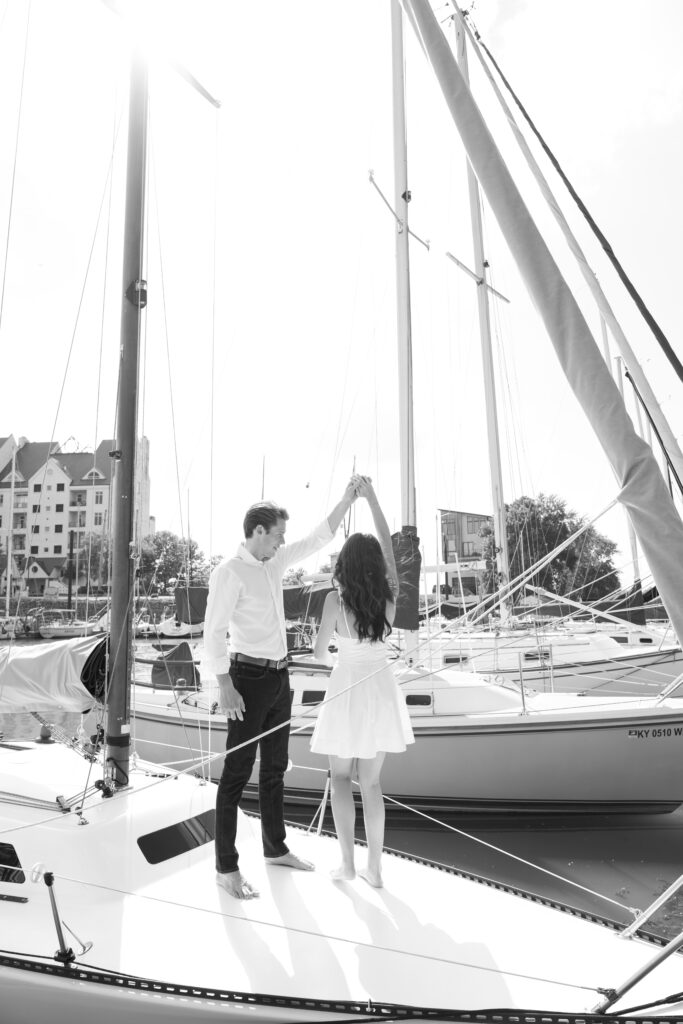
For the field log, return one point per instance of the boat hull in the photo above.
(552, 761)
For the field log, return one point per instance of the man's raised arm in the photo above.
(335, 517)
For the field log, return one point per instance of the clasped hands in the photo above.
(360, 486)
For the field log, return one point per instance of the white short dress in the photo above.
(371, 716)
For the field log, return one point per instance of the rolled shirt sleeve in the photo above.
(224, 591)
(245, 597)
(295, 552)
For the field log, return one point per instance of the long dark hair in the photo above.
(361, 573)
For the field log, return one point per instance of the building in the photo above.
(462, 545)
(50, 498)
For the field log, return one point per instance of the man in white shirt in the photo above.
(245, 598)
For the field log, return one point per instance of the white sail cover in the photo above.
(643, 489)
(46, 677)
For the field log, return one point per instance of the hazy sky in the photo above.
(270, 334)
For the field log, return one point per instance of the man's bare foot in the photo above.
(373, 878)
(290, 860)
(344, 873)
(236, 885)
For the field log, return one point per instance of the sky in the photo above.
(269, 362)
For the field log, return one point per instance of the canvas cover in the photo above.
(406, 545)
(305, 603)
(190, 604)
(175, 669)
(66, 675)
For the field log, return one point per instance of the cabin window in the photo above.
(455, 659)
(646, 639)
(182, 837)
(536, 655)
(419, 699)
(313, 696)
(10, 868)
(621, 639)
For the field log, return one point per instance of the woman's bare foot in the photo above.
(373, 878)
(344, 873)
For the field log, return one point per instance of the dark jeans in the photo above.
(267, 703)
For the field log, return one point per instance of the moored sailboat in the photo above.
(123, 870)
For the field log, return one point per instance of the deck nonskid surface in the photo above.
(428, 938)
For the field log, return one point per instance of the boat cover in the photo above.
(305, 602)
(175, 669)
(190, 604)
(68, 675)
(406, 545)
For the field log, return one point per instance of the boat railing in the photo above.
(520, 659)
(616, 993)
(669, 690)
(646, 914)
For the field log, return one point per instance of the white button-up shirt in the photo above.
(245, 597)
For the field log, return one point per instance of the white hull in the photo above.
(476, 747)
(68, 632)
(561, 660)
(138, 884)
(171, 628)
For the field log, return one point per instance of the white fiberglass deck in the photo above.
(429, 938)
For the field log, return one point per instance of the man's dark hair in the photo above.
(263, 513)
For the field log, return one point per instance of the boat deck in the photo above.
(429, 938)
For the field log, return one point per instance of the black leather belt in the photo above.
(263, 662)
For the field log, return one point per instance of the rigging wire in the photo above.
(15, 161)
(657, 331)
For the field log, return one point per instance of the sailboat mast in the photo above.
(134, 297)
(405, 341)
(495, 467)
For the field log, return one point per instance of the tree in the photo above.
(294, 576)
(535, 527)
(166, 559)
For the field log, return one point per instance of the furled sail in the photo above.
(67, 675)
(643, 490)
(406, 546)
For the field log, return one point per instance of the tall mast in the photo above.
(481, 265)
(405, 341)
(406, 543)
(123, 563)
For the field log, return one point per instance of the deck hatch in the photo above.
(313, 696)
(182, 837)
(10, 868)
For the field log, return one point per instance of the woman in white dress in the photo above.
(364, 716)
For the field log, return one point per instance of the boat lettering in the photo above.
(655, 734)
